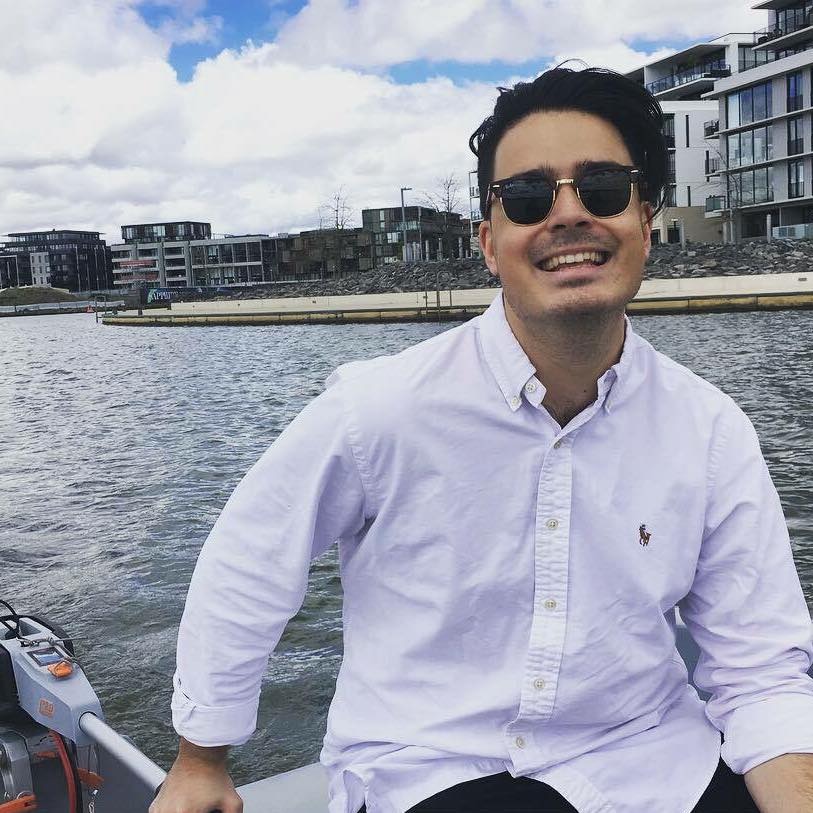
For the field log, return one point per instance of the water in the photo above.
(119, 446)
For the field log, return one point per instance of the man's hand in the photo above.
(198, 782)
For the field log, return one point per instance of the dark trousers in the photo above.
(501, 793)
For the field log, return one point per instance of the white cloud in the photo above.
(99, 132)
(371, 33)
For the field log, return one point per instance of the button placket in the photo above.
(551, 557)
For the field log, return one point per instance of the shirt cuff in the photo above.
(211, 726)
(760, 731)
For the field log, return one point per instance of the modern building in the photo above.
(765, 128)
(680, 82)
(78, 261)
(156, 255)
(430, 235)
(322, 254)
(239, 259)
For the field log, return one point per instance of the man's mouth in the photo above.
(561, 261)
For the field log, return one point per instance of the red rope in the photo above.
(66, 767)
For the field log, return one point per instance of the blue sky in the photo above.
(260, 20)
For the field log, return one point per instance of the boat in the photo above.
(58, 754)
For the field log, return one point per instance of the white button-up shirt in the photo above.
(510, 585)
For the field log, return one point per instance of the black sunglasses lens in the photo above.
(526, 202)
(605, 193)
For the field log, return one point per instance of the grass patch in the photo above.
(31, 295)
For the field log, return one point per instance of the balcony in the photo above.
(712, 166)
(787, 34)
(715, 203)
(711, 128)
(708, 71)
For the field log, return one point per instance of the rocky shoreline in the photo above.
(665, 262)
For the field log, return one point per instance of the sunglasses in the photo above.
(604, 192)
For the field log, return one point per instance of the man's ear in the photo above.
(486, 236)
(647, 214)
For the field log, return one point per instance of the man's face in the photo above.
(558, 144)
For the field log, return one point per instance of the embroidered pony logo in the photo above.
(644, 535)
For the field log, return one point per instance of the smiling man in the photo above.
(521, 504)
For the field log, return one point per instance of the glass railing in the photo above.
(715, 203)
(712, 166)
(793, 21)
(795, 103)
(709, 70)
(796, 189)
(795, 146)
(710, 128)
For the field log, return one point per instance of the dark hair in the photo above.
(624, 103)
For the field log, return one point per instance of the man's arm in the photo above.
(747, 613)
(783, 784)
(198, 782)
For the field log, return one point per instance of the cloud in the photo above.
(369, 33)
(102, 133)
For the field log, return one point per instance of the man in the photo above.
(509, 637)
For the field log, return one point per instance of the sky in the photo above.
(253, 114)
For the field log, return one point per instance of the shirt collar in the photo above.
(515, 375)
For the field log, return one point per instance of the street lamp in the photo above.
(403, 219)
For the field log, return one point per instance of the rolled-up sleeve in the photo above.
(303, 494)
(746, 609)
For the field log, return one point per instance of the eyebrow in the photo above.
(548, 172)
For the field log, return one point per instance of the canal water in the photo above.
(119, 446)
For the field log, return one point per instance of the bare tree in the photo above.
(335, 218)
(445, 199)
(732, 191)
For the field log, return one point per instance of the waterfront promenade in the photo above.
(689, 295)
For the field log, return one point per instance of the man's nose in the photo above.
(567, 210)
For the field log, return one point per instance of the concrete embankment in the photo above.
(690, 295)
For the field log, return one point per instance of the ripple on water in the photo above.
(120, 446)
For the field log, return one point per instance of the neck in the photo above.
(570, 355)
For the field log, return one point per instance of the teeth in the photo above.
(571, 259)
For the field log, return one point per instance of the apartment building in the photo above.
(430, 235)
(322, 254)
(765, 128)
(235, 259)
(680, 82)
(156, 255)
(78, 261)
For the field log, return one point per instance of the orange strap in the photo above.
(89, 779)
(22, 805)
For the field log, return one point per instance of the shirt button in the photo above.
(520, 743)
(539, 684)
(550, 604)
(552, 524)
(530, 386)
(515, 401)
(557, 445)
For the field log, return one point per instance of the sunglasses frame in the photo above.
(634, 174)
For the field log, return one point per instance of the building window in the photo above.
(669, 129)
(671, 194)
(687, 131)
(750, 147)
(750, 104)
(795, 136)
(688, 196)
(795, 96)
(796, 179)
(747, 188)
